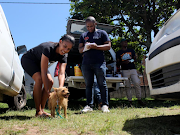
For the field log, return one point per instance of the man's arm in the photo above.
(135, 58)
(105, 47)
(81, 47)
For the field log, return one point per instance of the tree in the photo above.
(137, 18)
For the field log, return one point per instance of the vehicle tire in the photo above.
(19, 101)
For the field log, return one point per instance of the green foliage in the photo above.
(136, 18)
(3, 105)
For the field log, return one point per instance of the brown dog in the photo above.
(58, 97)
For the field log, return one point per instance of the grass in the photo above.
(156, 118)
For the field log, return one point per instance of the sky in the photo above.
(32, 24)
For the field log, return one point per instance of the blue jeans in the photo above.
(100, 71)
(96, 90)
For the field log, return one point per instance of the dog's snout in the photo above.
(68, 93)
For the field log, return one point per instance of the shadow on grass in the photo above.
(161, 125)
(148, 103)
(16, 117)
(3, 110)
(30, 104)
(77, 105)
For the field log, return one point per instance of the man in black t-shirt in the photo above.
(125, 58)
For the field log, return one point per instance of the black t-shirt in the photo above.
(94, 56)
(49, 50)
(126, 55)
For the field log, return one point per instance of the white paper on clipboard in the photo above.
(86, 46)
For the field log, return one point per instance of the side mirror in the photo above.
(21, 49)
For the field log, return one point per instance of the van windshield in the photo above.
(171, 26)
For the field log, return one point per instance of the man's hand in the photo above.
(92, 46)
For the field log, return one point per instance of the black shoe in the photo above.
(141, 103)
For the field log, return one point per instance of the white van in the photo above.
(163, 62)
(12, 90)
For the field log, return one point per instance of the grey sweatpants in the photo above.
(132, 75)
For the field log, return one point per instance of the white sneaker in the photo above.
(105, 109)
(87, 109)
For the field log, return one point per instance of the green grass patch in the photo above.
(157, 117)
(3, 105)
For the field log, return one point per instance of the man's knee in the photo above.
(136, 84)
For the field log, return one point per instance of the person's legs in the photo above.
(136, 82)
(96, 91)
(37, 92)
(100, 72)
(88, 74)
(126, 73)
(45, 95)
(33, 69)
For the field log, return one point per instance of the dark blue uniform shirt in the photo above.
(93, 56)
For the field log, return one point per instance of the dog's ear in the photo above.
(55, 89)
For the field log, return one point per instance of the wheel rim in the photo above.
(20, 99)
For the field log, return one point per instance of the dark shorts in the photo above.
(30, 65)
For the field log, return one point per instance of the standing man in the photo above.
(92, 43)
(125, 58)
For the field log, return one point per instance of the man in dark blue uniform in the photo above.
(93, 43)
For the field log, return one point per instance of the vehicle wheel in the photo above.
(20, 99)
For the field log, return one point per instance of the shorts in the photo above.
(30, 65)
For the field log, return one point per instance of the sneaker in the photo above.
(105, 109)
(87, 109)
